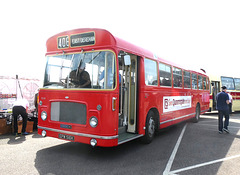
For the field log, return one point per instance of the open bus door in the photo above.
(215, 88)
(128, 97)
(131, 94)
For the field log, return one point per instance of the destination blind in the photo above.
(83, 39)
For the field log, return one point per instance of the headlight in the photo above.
(44, 133)
(93, 142)
(44, 115)
(93, 122)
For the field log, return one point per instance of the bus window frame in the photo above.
(201, 83)
(89, 51)
(177, 87)
(235, 83)
(157, 74)
(171, 76)
(194, 79)
(226, 85)
(208, 84)
(189, 81)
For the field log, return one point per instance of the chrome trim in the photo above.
(177, 118)
(79, 134)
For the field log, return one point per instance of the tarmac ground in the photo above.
(186, 148)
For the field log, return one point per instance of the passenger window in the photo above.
(194, 81)
(207, 83)
(165, 72)
(200, 82)
(204, 83)
(187, 79)
(237, 83)
(150, 67)
(228, 82)
(177, 77)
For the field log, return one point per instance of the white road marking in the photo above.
(168, 171)
(203, 164)
(171, 159)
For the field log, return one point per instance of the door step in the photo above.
(125, 137)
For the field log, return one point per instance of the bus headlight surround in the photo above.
(93, 121)
(44, 115)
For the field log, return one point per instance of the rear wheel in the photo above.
(197, 115)
(150, 128)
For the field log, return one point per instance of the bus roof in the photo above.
(102, 39)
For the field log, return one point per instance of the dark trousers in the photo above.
(220, 119)
(19, 110)
(230, 108)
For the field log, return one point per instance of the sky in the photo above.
(193, 33)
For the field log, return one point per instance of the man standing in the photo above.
(223, 110)
(20, 108)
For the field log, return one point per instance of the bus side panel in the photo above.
(236, 101)
(205, 102)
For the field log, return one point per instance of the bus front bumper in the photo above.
(94, 140)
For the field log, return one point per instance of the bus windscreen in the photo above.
(81, 70)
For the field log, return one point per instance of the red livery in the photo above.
(101, 90)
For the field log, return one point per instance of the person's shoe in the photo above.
(225, 130)
(220, 132)
(25, 133)
(16, 134)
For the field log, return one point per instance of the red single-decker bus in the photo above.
(101, 90)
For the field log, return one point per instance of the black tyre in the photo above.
(150, 128)
(197, 115)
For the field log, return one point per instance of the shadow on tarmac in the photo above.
(130, 158)
(13, 140)
(201, 143)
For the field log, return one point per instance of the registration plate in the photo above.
(66, 137)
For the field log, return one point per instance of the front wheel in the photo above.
(150, 128)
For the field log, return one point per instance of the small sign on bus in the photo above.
(63, 42)
(82, 39)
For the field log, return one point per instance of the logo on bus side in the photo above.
(175, 103)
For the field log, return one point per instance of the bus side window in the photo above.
(165, 75)
(200, 82)
(150, 67)
(204, 83)
(187, 79)
(194, 81)
(177, 77)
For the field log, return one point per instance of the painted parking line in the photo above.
(202, 164)
(171, 159)
(168, 171)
